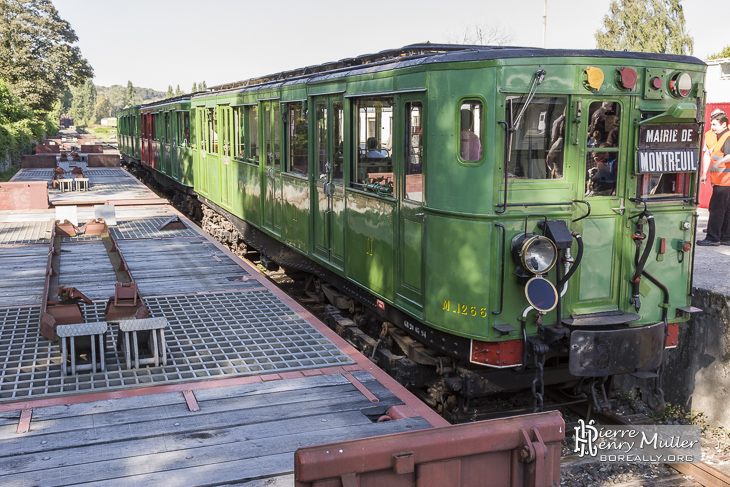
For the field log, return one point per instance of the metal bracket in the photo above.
(172, 223)
(533, 453)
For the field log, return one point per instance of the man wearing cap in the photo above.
(718, 225)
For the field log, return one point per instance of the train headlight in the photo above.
(538, 254)
(541, 294)
(681, 85)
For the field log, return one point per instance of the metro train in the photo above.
(493, 217)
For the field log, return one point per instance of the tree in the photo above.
(725, 53)
(195, 87)
(482, 34)
(646, 26)
(170, 93)
(202, 86)
(102, 109)
(37, 56)
(89, 95)
(178, 91)
(130, 100)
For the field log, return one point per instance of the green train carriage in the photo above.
(469, 195)
(128, 133)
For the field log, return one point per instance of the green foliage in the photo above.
(6, 175)
(195, 87)
(83, 103)
(88, 104)
(725, 53)
(129, 100)
(169, 93)
(37, 56)
(19, 126)
(645, 26)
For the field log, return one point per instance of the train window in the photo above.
(602, 141)
(239, 145)
(664, 184)
(185, 129)
(298, 130)
(271, 135)
(538, 139)
(253, 133)
(321, 141)
(470, 130)
(168, 133)
(212, 130)
(414, 152)
(276, 113)
(338, 140)
(226, 131)
(374, 163)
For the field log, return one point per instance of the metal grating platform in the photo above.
(25, 232)
(147, 228)
(209, 335)
(105, 172)
(34, 175)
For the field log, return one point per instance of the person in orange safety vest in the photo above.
(718, 225)
(710, 142)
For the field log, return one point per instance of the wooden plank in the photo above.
(96, 435)
(9, 418)
(180, 411)
(266, 387)
(163, 468)
(131, 404)
(173, 441)
(278, 481)
(704, 473)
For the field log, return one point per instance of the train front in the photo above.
(597, 224)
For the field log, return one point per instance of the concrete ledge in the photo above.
(696, 372)
(25, 195)
(91, 149)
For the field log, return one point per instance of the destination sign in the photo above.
(668, 136)
(658, 160)
(668, 148)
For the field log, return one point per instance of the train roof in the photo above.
(427, 53)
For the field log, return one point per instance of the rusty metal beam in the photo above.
(523, 450)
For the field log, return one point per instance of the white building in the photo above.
(717, 82)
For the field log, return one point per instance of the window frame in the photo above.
(611, 150)
(289, 137)
(355, 120)
(457, 146)
(408, 106)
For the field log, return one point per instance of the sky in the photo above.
(161, 43)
